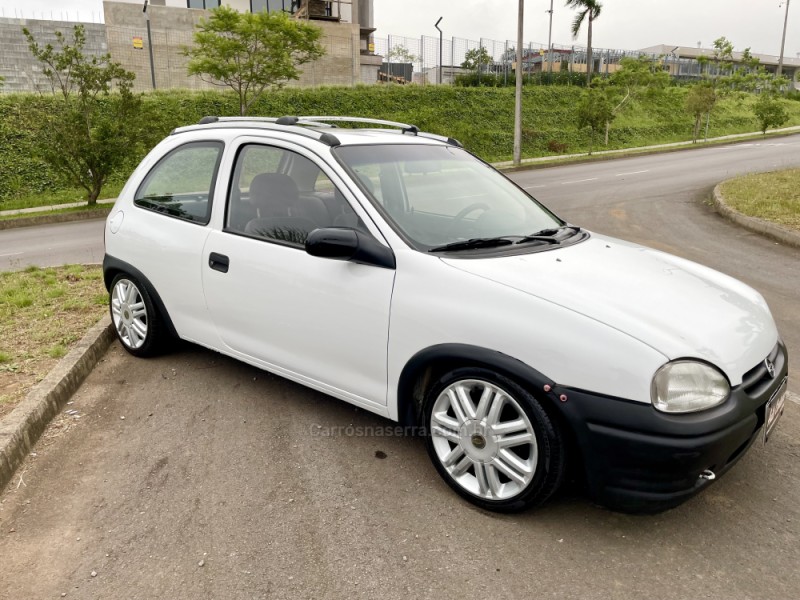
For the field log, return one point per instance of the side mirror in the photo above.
(343, 243)
(332, 242)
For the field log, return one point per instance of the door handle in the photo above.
(219, 262)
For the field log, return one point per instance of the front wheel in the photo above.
(492, 441)
(136, 321)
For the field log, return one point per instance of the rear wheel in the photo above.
(137, 323)
(492, 441)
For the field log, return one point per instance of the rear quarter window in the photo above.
(181, 184)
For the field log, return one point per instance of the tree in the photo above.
(719, 65)
(770, 111)
(590, 9)
(251, 52)
(700, 101)
(91, 132)
(636, 77)
(476, 58)
(400, 54)
(594, 111)
(722, 78)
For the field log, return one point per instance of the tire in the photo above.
(138, 324)
(492, 441)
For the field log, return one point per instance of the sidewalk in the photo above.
(499, 165)
(40, 209)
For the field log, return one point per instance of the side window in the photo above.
(282, 196)
(181, 184)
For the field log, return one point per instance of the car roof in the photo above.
(326, 130)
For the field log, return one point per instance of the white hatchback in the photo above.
(392, 269)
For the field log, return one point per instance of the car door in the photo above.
(167, 227)
(319, 321)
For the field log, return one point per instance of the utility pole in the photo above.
(783, 41)
(150, 45)
(550, 40)
(518, 94)
(441, 58)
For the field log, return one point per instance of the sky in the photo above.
(623, 24)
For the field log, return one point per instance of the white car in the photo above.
(392, 269)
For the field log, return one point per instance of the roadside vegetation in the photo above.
(43, 312)
(87, 132)
(58, 196)
(85, 138)
(252, 52)
(481, 118)
(771, 196)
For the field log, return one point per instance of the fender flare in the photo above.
(113, 266)
(446, 356)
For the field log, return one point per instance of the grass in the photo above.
(43, 312)
(51, 198)
(773, 196)
(481, 118)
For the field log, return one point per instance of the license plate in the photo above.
(774, 410)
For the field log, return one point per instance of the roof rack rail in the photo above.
(213, 119)
(314, 120)
(262, 123)
(405, 127)
(287, 123)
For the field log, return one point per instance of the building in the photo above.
(682, 61)
(346, 24)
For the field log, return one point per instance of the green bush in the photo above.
(472, 79)
(481, 118)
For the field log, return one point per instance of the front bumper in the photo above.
(638, 459)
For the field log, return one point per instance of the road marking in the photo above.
(533, 187)
(632, 173)
(11, 254)
(579, 181)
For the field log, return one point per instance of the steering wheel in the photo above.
(464, 212)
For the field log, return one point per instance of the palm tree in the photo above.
(590, 8)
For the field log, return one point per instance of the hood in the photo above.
(677, 307)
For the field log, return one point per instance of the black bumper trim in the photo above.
(638, 459)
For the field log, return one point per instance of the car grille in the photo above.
(756, 381)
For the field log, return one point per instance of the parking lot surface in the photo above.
(222, 481)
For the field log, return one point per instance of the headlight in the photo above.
(687, 386)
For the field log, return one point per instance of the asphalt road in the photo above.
(219, 464)
(52, 245)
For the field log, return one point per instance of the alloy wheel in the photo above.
(484, 439)
(129, 313)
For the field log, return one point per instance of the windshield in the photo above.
(439, 195)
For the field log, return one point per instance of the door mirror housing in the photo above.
(345, 243)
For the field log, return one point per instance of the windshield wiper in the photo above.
(473, 243)
(549, 235)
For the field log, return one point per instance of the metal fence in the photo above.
(432, 66)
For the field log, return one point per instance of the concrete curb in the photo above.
(601, 155)
(83, 215)
(24, 425)
(781, 234)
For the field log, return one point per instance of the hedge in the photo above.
(481, 118)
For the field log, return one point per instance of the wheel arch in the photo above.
(113, 266)
(427, 365)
